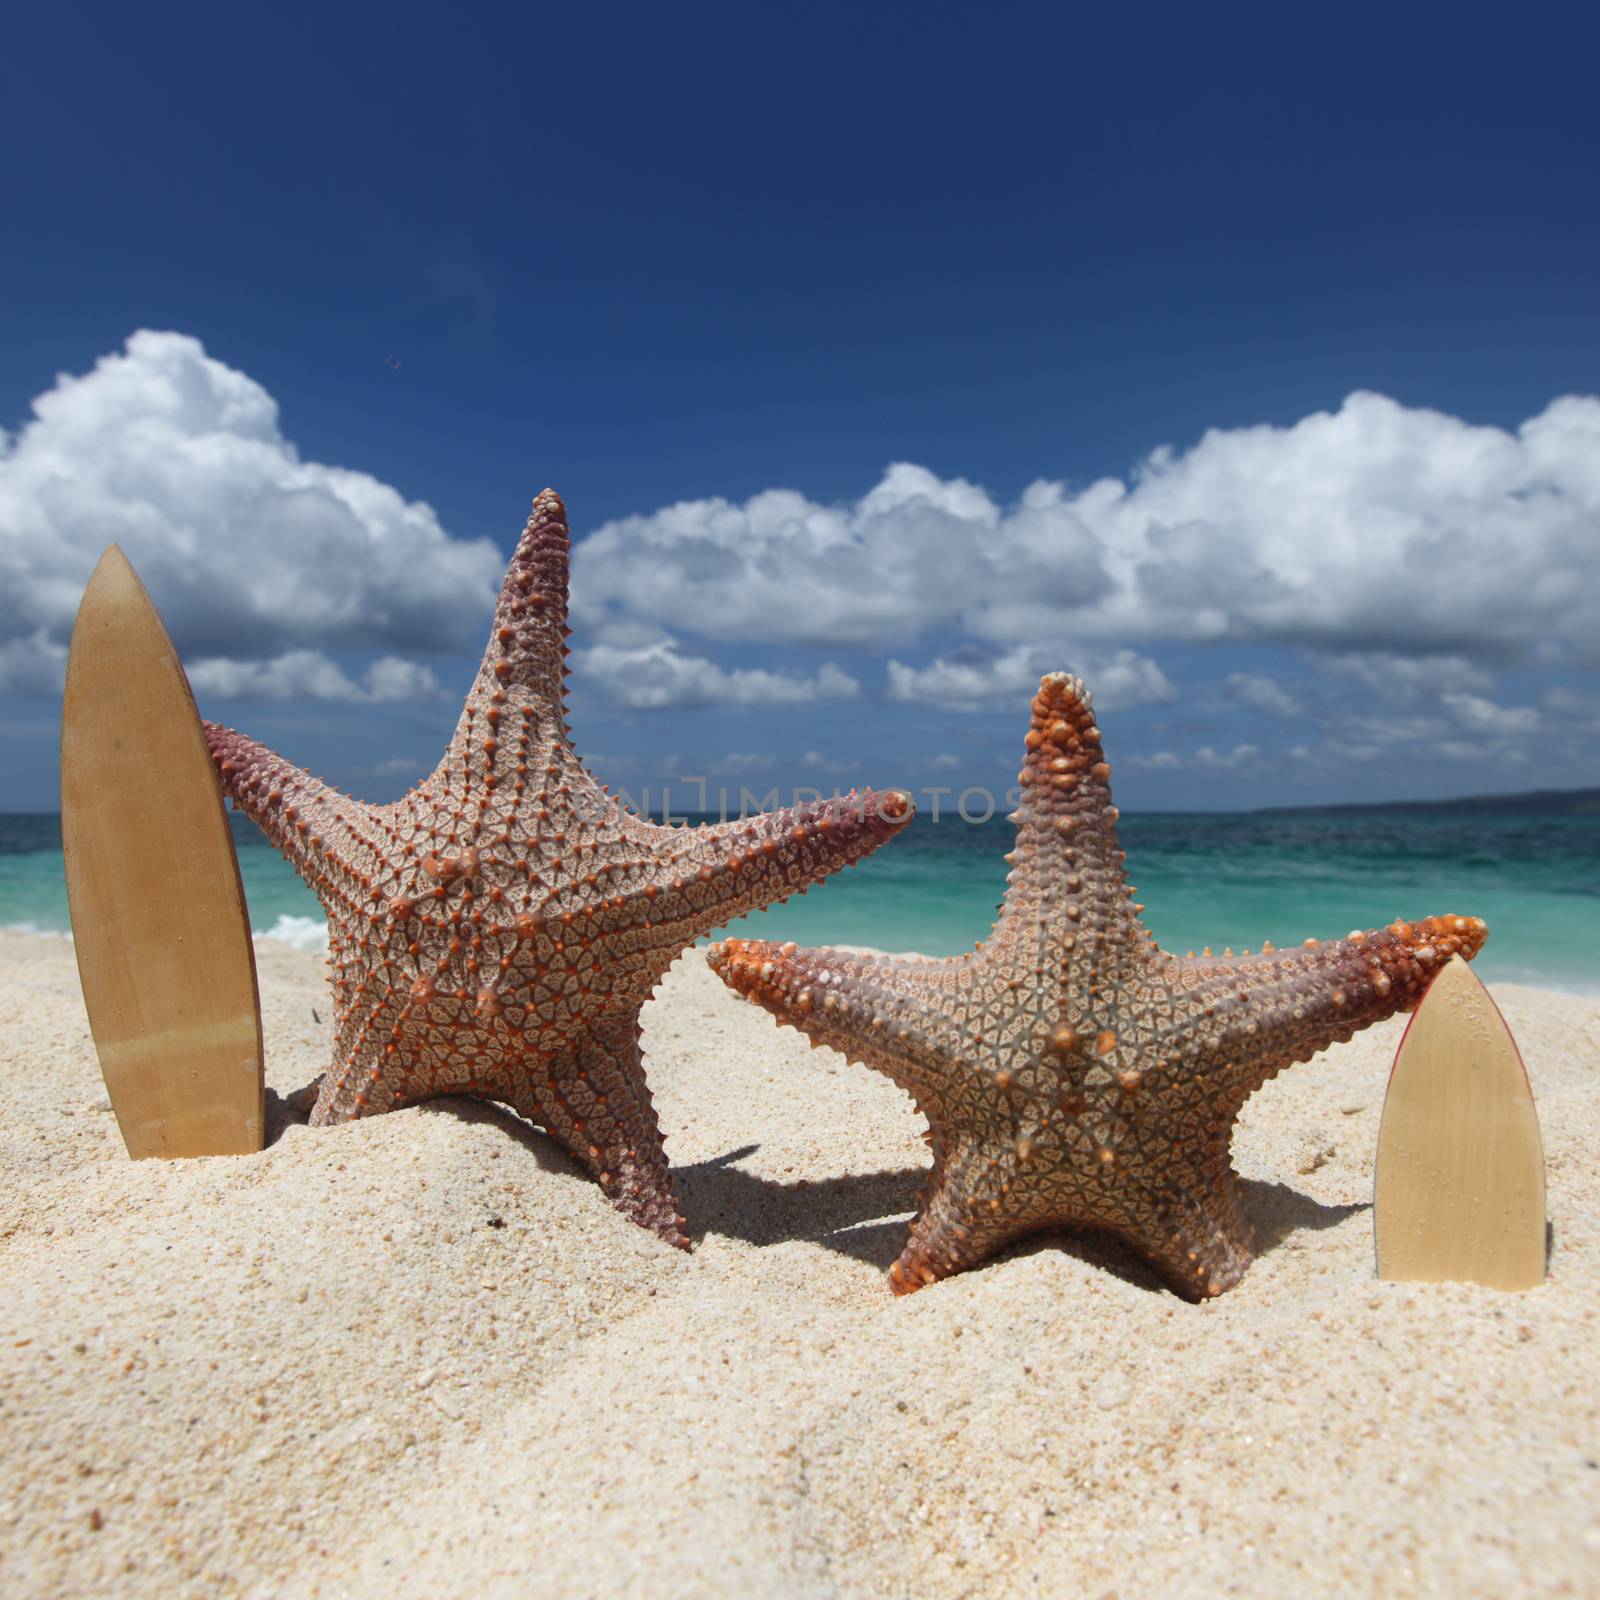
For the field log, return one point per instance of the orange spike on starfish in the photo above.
(1073, 1074)
(496, 932)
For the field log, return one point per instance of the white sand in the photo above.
(321, 1371)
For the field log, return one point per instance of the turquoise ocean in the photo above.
(1211, 878)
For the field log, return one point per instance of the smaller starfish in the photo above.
(1074, 1075)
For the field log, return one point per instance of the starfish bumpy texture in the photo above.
(1073, 1074)
(496, 931)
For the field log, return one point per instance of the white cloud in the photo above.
(654, 676)
(1412, 552)
(1573, 719)
(743, 761)
(816, 761)
(397, 767)
(1470, 751)
(1117, 679)
(1206, 758)
(310, 675)
(1569, 703)
(394, 678)
(911, 552)
(33, 664)
(1478, 715)
(1398, 677)
(1376, 528)
(1261, 693)
(249, 551)
(1225, 760)
(616, 767)
(1460, 728)
(944, 762)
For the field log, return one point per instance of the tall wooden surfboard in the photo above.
(1460, 1183)
(158, 913)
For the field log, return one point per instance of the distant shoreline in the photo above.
(1531, 802)
(1540, 802)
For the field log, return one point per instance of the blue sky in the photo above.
(1241, 359)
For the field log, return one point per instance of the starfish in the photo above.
(1073, 1074)
(496, 932)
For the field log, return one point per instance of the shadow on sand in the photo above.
(864, 1216)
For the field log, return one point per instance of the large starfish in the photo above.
(496, 931)
(1072, 1074)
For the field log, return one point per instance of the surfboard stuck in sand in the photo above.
(158, 912)
(1459, 1195)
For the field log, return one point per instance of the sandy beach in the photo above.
(420, 1354)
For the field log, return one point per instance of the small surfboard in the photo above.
(158, 912)
(1459, 1195)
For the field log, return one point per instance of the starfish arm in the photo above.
(597, 1104)
(873, 1009)
(1254, 1016)
(1194, 1232)
(515, 714)
(591, 1097)
(962, 1218)
(330, 839)
(717, 873)
(1202, 1243)
(1066, 886)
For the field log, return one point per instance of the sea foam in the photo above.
(302, 933)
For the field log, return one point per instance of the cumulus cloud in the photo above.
(1260, 693)
(1117, 679)
(310, 675)
(37, 666)
(1374, 528)
(1569, 703)
(655, 676)
(910, 553)
(31, 664)
(1478, 715)
(816, 761)
(743, 761)
(1207, 758)
(1413, 553)
(1398, 677)
(1466, 729)
(251, 552)
(1224, 760)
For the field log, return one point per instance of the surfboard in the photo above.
(1459, 1194)
(158, 912)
